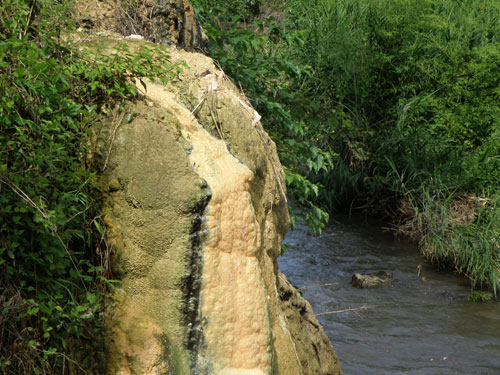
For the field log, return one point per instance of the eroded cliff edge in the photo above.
(195, 212)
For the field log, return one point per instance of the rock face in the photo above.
(313, 347)
(174, 22)
(195, 212)
(170, 22)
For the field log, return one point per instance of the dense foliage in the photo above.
(52, 270)
(414, 88)
(391, 106)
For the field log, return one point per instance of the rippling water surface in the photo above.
(409, 327)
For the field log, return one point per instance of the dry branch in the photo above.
(346, 310)
(317, 286)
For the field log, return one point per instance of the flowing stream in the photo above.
(415, 325)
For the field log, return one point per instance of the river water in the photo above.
(412, 326)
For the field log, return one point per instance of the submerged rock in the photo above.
(373, 280)
(196, 213)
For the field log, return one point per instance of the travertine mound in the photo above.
(195, 210)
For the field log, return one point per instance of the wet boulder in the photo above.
(373, 280)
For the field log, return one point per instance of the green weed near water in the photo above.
(480, 296)
(51, 97)
(461, 232)
(466, 237)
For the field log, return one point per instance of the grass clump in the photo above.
(52, 277)
(480, 296)
(459, 231)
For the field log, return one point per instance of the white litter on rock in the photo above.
(135, 36)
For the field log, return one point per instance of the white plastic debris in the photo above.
(213, 86)
(135, 36)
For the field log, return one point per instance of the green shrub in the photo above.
(410, 104)
(413, 83)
